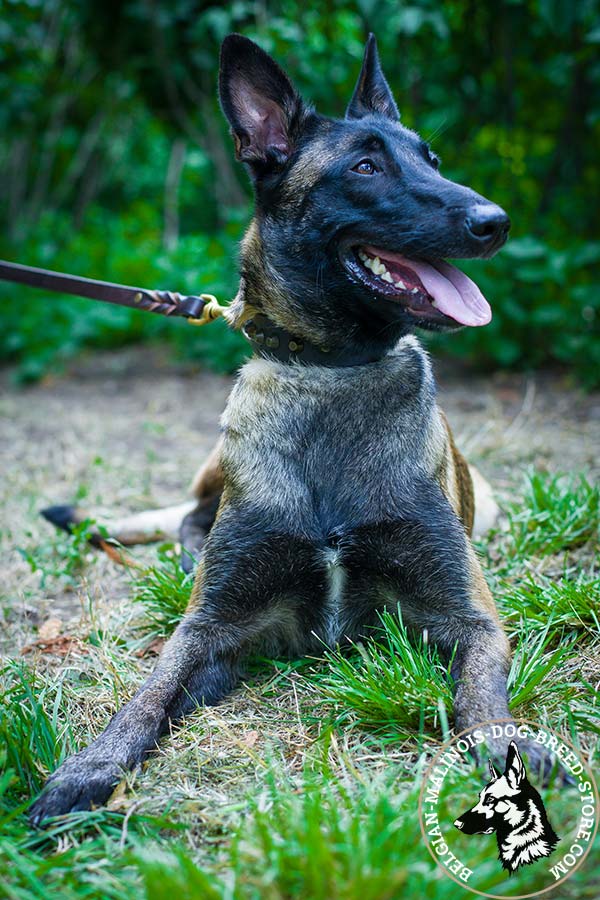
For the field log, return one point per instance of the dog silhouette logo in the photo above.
(512, 808)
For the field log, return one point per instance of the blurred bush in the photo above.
(115, 161)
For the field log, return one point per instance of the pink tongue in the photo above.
(454, 293)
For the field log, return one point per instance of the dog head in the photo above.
(512, 808)
(353, 217)
(499, 801)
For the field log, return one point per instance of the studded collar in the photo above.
(270, 341)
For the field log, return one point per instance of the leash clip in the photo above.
(212, 309)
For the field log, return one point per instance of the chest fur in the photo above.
(323, 446)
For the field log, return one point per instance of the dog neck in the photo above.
(270, 341)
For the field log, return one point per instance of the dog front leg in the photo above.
(238, 600)
(198, 665)
(429, 566)
(481, 654)
(480, 667)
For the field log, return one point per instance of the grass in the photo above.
(569, 606)
(301, 785)
(32, 740)
(62, 555)
(390, 684)
(163, 590)
(329, 836)
(558, 513)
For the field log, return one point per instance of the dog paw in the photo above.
(77, 785)
(61, 516)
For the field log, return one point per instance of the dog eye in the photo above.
(365, 167)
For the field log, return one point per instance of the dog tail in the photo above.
(139, 528)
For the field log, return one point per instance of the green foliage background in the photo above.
(115, 161)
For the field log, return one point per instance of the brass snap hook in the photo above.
(212, 309)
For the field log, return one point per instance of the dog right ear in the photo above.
(260, 103)
(372, 94)
(515, 770)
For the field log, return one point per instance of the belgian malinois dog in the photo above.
(336, 488)
(510, 807)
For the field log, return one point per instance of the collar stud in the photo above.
(270, 341)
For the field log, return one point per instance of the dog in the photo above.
(336, 488)
(512, 808)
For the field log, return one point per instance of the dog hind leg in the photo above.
(156, 524)
(139, 528)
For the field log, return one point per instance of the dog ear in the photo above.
(372, 94)
(494, 772)
(260, 103)
(514, 771)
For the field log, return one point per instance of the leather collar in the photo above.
(270, 341)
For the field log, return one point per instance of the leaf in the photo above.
(58, 646)
(49, 630)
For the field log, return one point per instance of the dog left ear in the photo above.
(263, 108)
(494, 772)
(515, 770)
(372, 94)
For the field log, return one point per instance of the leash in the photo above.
(197, 310)
(267, 339)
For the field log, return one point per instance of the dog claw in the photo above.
(81, 786)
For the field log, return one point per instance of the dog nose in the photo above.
(488, 223)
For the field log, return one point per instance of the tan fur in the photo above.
(197, 588)
(264, 290)
(308, 169)
(458, 485)
(480, 592)
(208, 480)
(139, 528)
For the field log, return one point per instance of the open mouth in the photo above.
(434, 290)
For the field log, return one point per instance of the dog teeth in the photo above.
(376, 266)
(379, 268)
